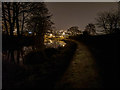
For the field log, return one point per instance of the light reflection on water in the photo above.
(49, 43)
(17, 55)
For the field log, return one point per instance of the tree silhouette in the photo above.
(39, 22)
(23, 16)
(11, 15)
(109, 21)
(8, 17)
(74, 30)
(90, 29)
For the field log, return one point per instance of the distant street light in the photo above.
(63, 33)
(50, 35)
(30, 32)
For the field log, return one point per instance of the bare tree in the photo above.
(13, 16)
(8, 17)
(4, 19)
(109, 21)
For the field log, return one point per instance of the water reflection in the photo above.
(17, 55)
(49, 43)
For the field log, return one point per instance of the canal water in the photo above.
(49, 43)
(17, 55)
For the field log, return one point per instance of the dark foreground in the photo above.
(105, 49)
(45, 68)
(41, 69)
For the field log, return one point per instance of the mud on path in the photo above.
(82, 71)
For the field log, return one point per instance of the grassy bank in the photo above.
(105, 48)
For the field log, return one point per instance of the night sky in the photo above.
(66, 15)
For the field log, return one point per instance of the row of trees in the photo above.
(74, 30)
(30, 16)
(25, 16)
(89, 29)
(109, 21)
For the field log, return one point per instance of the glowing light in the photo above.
(51, 41)
(63, 33)
(50, 35)
(15, 31)
(30, 32)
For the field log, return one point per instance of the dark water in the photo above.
(17, 56)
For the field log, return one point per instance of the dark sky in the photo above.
(67, 14)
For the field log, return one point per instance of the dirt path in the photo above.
(82, 71)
